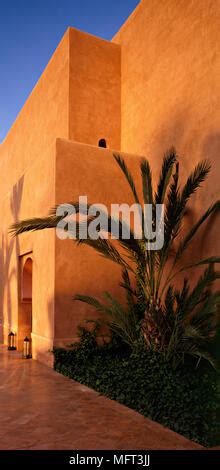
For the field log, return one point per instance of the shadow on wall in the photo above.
(192, 147)
(211, 150)
(8, 270)
(211, 146)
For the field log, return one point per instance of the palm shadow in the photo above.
(9, 269)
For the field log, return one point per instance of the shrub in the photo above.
(186, 400)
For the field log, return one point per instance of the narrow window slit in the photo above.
(103, 143)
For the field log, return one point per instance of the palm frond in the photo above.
(126, 284)
(119, 320)
(146, 181)
(116, 227)
(169, 160)
(93, 302)
(122, 320)
(207, 316)
(37, 223)
(211, 260)
(169, 301)
(107, 250)
(120, 161)
(186, 347)
(171, 212)
(194, 181)
(181, 297)
(205, 282)
(171, 223)
(78, 208)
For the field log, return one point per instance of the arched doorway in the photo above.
(25, 300)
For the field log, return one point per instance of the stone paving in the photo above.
(40, 409)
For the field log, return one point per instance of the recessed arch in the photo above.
(27, 280)
(25, 299)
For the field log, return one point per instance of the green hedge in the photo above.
(185, 400)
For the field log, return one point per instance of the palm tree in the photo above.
(175, 322)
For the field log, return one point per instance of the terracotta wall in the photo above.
(90, 171)
(171, 91)
(76, 94)
(27, 166)
(166, 59)
(95, 90)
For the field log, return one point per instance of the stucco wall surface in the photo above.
(27, 166)
(171, 90)
(155, 85)
(92, 172)
(95, 90)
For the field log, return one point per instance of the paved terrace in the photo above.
(40, 409)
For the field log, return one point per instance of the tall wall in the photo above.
(90, 171)
(157, 84)
(27, 167)
(171, 90)
(95, 90)
(94, 113)
(77, 97)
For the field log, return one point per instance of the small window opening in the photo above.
(103, 143)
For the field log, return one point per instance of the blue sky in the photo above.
(30, 31)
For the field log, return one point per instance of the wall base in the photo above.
(42, 349)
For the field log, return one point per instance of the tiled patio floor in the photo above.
(40, 409)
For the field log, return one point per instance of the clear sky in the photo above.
(30, 31)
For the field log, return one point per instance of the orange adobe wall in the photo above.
(94, 90)
(28, 189)
(156, 84)
(57, 107)
(93, 172)
(170, 87)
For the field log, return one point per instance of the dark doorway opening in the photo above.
(25, 300)
(103, 143)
